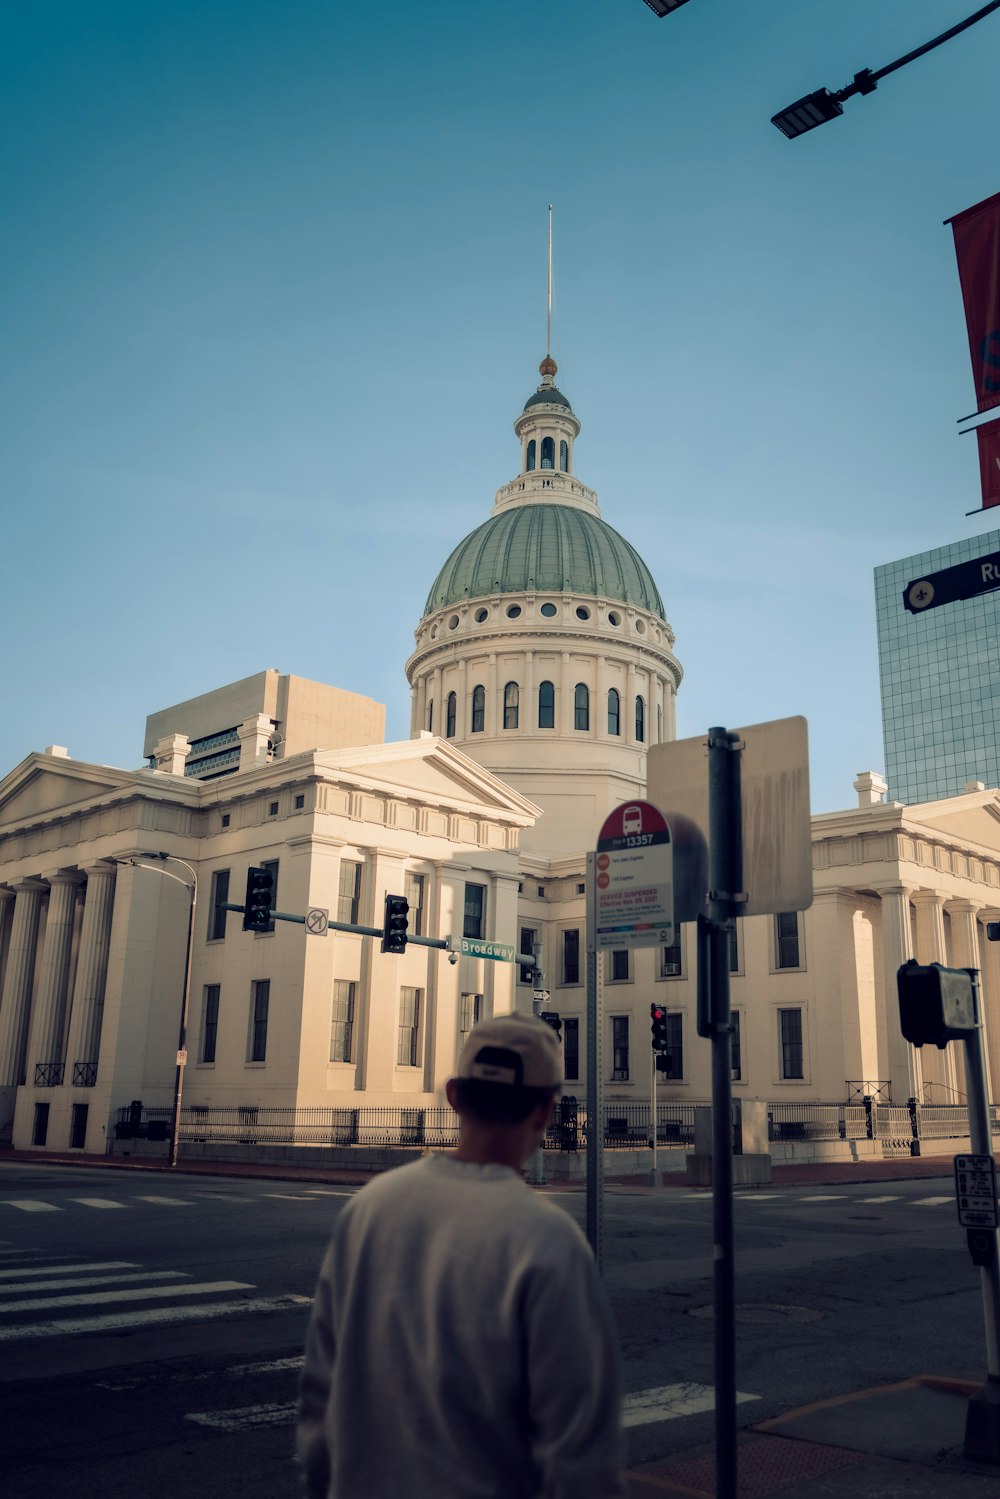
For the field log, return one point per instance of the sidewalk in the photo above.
(883, 1443)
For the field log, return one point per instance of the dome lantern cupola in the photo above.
(547, 426)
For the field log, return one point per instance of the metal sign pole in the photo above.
(982, 1424)
(725, 879)
(654, 1180)
(595, 1077)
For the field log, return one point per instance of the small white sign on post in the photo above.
(634, 886)
(976, 1191)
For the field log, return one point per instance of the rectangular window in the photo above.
(618, 969)
(737, 1044)
(300, 802)
(671, 964)
(413, 889)
(219, 896)
(40, 1132)
(471, 1013)
(349, 893)
(271, 865)
(571, 957)
(619, 1048)
(260, 996)
(342, 1020)
(675, 1045)
(790, 1032)
(571, 1049)
(209, 1022)
(409, 1027)
(528, 936)
(474, 923)
(78, 1126)
(786, 940)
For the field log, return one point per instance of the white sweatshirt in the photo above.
(460, 1347)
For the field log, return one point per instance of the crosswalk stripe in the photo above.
(669, 1402)
(172, 1202)
(34, 1268)
(250, 1416)
(330, 1191)
(102, 1298)
(879, 1199)
(97, 1202)
(156, 1316)
(932, 1202)
(28, 1205)
(77, 1282)
(824, 1197)
(285, 1196)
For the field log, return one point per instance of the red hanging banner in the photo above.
(988, 437)
(977, 248)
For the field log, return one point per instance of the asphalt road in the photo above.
(150, 1326)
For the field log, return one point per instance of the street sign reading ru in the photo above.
(963, 581)
(634, 874)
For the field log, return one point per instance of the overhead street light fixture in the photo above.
(663, 8)
(816, 108)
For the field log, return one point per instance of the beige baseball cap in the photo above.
(513, 1049)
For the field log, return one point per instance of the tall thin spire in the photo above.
(548, 320)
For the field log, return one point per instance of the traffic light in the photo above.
(257, 901)
(936, 1004)
(394, 923)
(658, 1016)
(551, 1018)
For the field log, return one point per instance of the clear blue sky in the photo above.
(273, 291)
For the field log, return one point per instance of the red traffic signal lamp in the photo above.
(394, 923)
(658, 1016)
(257, 901)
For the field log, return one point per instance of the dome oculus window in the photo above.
(514, 612)
(614, 619)
(549, 610)
(640, 627)
(482, 614)
(581, 612)
(453, 622)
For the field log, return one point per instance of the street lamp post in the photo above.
(823, 105)
(162, 858)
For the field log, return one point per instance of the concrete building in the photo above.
(939, 679)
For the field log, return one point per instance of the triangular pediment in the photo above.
(43, 784)
(432, 770)
(972, 819)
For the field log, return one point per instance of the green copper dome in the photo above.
(545, 549)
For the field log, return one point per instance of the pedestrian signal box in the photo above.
(936, 1004)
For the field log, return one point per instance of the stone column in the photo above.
(15, 1007)
(418, 707)
(564, 721)
(628, 707)
(51, 999)
(463, 705)
(91, 975)
(527, 719)
(494, 709)
(437, 697)
(6, 916)
(902, 1059)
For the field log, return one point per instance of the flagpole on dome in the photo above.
(548, 319)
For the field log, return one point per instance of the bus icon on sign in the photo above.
(631, 821)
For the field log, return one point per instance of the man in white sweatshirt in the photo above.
(461, 1345)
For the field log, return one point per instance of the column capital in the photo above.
(102, 867)
(925, 897)
(31, 885)
(961, 903)
(64, 877)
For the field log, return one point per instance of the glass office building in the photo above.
(940, 679)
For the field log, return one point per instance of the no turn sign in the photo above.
(317, 921)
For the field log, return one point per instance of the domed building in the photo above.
(544, 650)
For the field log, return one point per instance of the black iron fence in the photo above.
(626, 1126)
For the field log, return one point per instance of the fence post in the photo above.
(870, 1117)
(914, 1108)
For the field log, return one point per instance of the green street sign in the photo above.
(470, 947)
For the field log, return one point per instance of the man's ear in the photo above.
(451, 1093)
(543, 1113)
